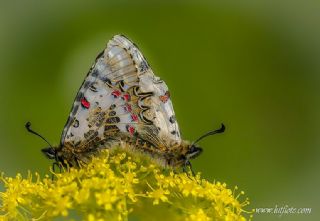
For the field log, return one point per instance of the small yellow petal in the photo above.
(115, 185)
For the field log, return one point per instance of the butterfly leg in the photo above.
(188, 164)
(77, 161)
(54, 169)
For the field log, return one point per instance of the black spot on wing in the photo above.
(110, 127)
(143, 67)
(95, 73)
(113, 106)
(90, 134)
(110, 130)
(93, 88)
(113, 120)
(75, 109)
(172, 119)
(75, 123)
(121, 85)
(86, 84)
(106, 80)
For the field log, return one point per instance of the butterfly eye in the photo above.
(49, 152)
(193, 152)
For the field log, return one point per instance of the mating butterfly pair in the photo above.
(122, 102)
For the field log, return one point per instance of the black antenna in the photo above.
(28, 127)
(218, 131)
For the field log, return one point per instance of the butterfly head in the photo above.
(50, 152)
(193, 152)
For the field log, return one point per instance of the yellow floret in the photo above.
(117, 185)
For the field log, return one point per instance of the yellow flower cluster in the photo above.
(118, 185)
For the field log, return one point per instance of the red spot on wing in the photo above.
(126, 97)
(131, 129)
(116, 93)
(164, 98)
(128, 108)
(134, 117)
(85, 103)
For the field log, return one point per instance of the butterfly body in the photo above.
(169, 158)
(122, 103)
(175, 156)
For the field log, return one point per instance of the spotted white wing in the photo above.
(120, 97)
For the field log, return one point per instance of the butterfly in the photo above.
(122, 102)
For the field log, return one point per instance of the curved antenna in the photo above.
(28, 127)
(218, 131)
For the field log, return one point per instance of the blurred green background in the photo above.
(253, 65)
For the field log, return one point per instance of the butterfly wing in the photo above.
(120, 97)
